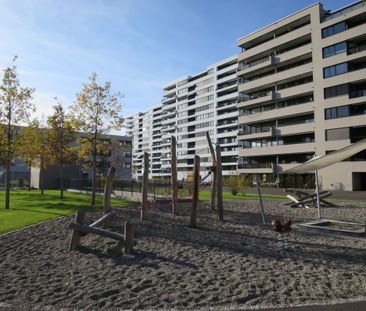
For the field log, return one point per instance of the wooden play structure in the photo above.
(216, 183)
(81, 229)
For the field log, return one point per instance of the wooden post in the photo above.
(196, 181)
(213, 180)
(145, 185)
(261, 201)
(220, 214)
(108, 187)
(76, 235)
(174, 174)
(129, 234)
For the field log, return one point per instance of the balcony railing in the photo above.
(245, 98)
(358, 93)
(264, 129)
(256, 165)
(252, 64)
(344, 11)
(356, 49)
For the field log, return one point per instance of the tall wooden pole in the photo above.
(220, 213)
(174, 174)
(145, 182)
(196, 181)
(213, 180)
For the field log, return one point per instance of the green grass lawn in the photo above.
(30, 207)
(227, 196)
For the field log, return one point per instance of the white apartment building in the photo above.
(191, 106)
(302, 92)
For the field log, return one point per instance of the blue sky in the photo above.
(138, 45)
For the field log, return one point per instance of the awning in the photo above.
(318, 163)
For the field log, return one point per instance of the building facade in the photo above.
(191, 106)
(302, 92)
(296, 90)
(119, 155)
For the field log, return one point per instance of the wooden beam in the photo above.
(196, 181)
(220, 213)
(98, 231)
(145, 183)
(129, 234)
(101, 220)
(174, 174)
(213, 179)
(108, 188)
(76, 235)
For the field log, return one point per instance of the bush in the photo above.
(234, 191)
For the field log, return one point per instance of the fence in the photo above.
(130, 187)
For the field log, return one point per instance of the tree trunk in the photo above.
(29, 177)
(94, 171)
(8, 162)
(61, 181)
(41, 180)
(7, 184)
(41, 176)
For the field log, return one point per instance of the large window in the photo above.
(337, 90)
(334, 29)
(335, 70)
(334, 49)
(337, 112)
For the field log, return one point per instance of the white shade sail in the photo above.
(329, 159)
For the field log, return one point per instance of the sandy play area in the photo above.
(234, 264)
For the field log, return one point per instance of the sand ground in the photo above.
(232, 264)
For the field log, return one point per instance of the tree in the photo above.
(96, 112)
(29, 146)
(60, 137)
(34, 149)
(15, 110)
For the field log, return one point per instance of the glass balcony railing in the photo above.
(356, 49)
(358, 93)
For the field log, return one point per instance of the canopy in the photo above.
(320, 162)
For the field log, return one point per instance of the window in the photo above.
(335, 70)
(337, 112)
(334, 29)
(337, 90)
(334, 49)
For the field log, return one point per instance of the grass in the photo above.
(228, 196)
(27, 208)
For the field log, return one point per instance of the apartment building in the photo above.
(191, 106)
(302, 92)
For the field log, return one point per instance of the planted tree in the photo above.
(34, 149)
(15, 110)
(96, 112)
(61, 135)
(29, 146)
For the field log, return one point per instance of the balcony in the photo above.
(268, 45)
(262, 132)
(274, 150)
(246, 100)
(359, 93)
(256, 168)
(258, 64)
(356, 49)
(295, 129)
(276, 77)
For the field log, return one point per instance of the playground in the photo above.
(236, 263)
